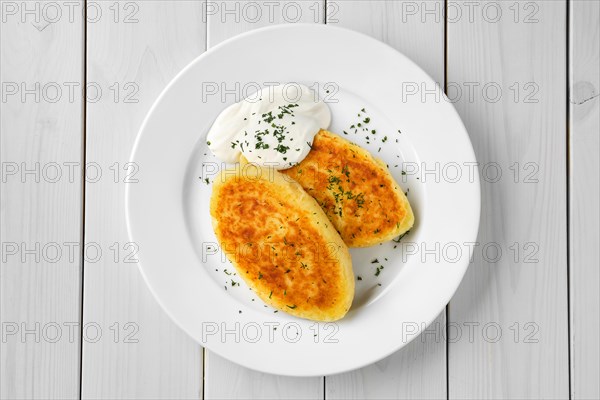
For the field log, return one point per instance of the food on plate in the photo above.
(355, 190)
(274, 127)
(298, 198)
(281, 243)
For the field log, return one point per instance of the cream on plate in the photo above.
(274, 127)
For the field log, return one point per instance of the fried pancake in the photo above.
(281, 243)
(355, 190)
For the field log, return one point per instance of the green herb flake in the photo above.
(399, 238)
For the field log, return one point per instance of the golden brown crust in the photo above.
(356, 191)
(282, 244)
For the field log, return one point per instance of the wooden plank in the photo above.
(224, 379)
(584, 195)
(134, 50)
(418, 370)
(41, 57)
(229, 18)
(511, 308)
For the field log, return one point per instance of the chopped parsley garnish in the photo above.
(360, 200)
(261, 145)
(332, 180)
(282, 149)
(346, 171)
(399, 238)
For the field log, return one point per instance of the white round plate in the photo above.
(168, 214)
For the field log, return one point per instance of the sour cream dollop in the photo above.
(273, 127)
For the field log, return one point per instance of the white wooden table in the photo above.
(77, 318)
